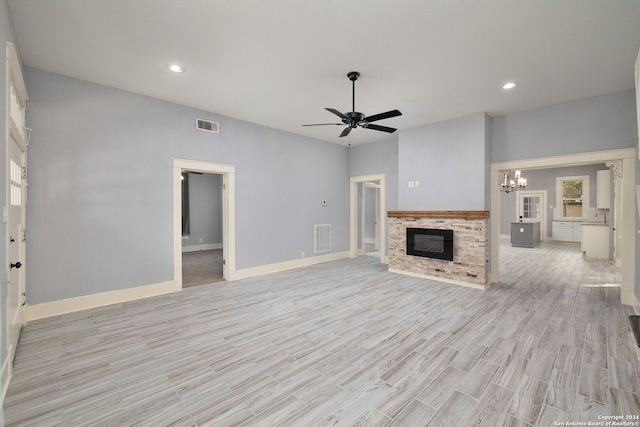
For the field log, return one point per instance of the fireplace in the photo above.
(469, 265)
(430, 243)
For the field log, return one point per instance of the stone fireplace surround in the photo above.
(470, 265)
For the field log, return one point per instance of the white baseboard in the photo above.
(505, 237)
(70, 305)
(440, 279)
(286, 265)
(204, 247)
(370, 240)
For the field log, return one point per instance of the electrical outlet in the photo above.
(302, 254)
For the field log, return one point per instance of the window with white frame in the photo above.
(572, 196)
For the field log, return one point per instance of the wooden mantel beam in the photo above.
(439, 214)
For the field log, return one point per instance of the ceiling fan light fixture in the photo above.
(509, 85)
(176, 68)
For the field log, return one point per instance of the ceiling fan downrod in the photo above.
(353, 76)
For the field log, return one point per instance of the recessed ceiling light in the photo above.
(176, 68)
(509, 85)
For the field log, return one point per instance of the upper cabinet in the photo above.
(604, 189)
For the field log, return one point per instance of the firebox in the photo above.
(430, 243)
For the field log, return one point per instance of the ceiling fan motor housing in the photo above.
(355, 118)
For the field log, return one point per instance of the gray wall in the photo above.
(205, 205)
(100, 188)
(378, 158)
(545, 179)
(602, 122)
(449, 159)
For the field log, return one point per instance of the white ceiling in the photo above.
(279, 63)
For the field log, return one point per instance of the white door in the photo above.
(531, 207)
(16, 245)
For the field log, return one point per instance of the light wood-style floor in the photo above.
(343, 343)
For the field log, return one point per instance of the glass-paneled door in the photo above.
(531, 207)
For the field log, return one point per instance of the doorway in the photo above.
(370, 213)
(227, 177)
(356, 213)
(626, 158)
(202, 248)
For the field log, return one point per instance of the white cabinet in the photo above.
(566, 231)
(604, 189)
(595, 240)
(577, 232)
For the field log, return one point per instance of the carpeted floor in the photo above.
(201, 267)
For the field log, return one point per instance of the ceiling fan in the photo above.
(354, 119)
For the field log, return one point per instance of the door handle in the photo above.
(16, 265)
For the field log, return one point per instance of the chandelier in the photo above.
(512, 182)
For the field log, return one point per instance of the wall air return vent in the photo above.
(322, 241)
(207, 126)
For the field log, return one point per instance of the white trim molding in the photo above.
(71, 305)
(288, 265)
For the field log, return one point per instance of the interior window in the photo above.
(572, 196)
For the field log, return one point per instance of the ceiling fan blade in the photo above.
(380, 128)
(325, 124)
(387, 115)
(346, 131)
(337, 113)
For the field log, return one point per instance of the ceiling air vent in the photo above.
(207, 126)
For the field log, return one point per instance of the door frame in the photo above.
(376, 215)
(543, 210)
(228, 215)
(353, 214)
